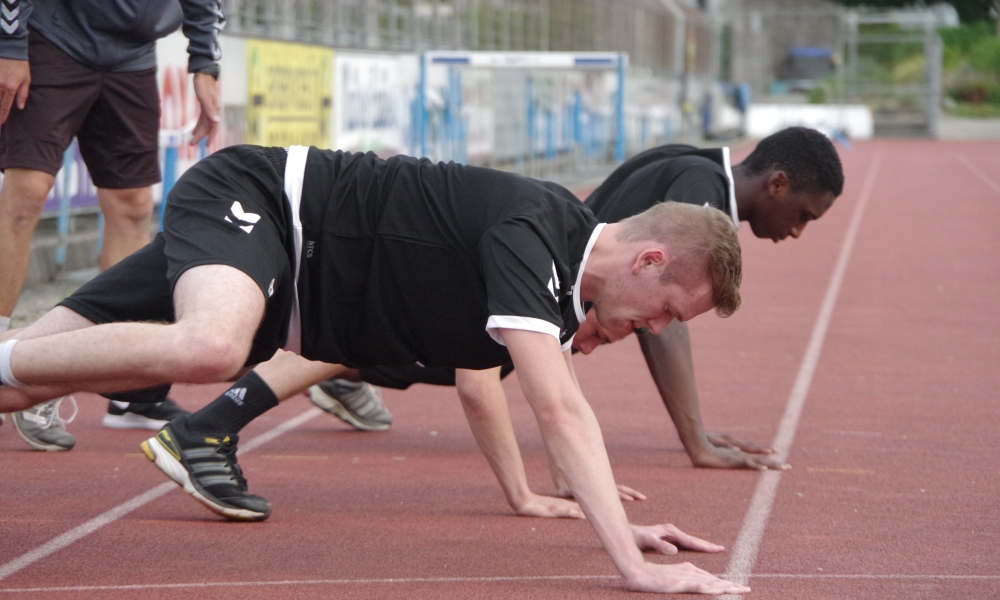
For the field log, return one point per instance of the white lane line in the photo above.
(166, 586)
(978, 173)
(78, 533)
(886, 577)
(433, 580)
(752, 531)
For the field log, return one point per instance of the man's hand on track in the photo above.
(683, 578)
(727, 452)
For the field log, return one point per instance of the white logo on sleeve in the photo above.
(270, 289)
(554, 284)
(243, 217)
(9, 11)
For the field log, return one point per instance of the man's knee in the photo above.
(124, 206)
(219, 310)
(23, 196)
(207, 357)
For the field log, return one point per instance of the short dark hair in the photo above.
(806, 156)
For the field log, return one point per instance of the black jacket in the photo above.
(113, 35)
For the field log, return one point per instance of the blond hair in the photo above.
(703, 245)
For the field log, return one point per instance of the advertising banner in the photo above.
(289, 94)
(374, 96)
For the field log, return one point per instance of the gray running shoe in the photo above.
(358, 404)
(43, 428)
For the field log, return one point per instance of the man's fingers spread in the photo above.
(775, 464)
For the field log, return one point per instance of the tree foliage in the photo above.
(969, 11)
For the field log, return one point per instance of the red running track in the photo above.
(894, 492)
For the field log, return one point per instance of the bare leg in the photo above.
(22, 198)
(288, 374)
(127, 220)
(58, 320)
(218, 309)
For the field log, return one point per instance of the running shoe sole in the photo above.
(165, 460)
(132, 421)
(333, 406)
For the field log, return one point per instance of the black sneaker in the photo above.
(133, 415)
(206, 468)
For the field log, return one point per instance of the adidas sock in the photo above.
(249, 398)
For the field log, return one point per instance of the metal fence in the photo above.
(889, 61)
(659, 34)
(892, 63)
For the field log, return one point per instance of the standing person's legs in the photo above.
(128, 218)
(22, 197)
(31, 153)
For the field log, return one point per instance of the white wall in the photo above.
(853, 120)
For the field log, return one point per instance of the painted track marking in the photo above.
(978, 173)
(752, 532)
(81, 531)
(433, 580)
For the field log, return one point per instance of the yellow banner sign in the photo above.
(290, 91)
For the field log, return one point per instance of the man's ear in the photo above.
(650, 257)
(778, 184)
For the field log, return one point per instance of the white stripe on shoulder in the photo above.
(732, 186)
(496, 322)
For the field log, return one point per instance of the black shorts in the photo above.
(400, 378)
(209, 221)
(115, 116)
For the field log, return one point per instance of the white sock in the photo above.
(4, 324)
(6, 376)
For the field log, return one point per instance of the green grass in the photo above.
(984, 110)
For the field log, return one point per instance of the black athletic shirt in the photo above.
(407, 261)
(674, 172)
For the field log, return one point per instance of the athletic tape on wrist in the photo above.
(6, 376)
